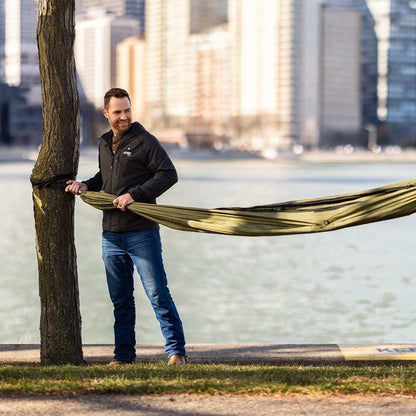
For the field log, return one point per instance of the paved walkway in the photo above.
(195, 405)
(243, 354)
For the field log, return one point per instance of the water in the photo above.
(349, 286)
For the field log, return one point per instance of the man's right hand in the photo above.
(75, 187)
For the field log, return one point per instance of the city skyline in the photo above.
(267, 72)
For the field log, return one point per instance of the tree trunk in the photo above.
(60, 322)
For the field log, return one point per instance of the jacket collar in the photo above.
(135, 129)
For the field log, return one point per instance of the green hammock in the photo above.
(295, 217)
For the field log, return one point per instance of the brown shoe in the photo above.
(116, 361)
(178, 359)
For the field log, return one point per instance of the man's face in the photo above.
(118, 114)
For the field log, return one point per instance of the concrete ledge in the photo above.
(272, 354)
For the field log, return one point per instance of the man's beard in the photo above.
(123, 127)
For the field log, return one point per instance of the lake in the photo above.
(355, 285)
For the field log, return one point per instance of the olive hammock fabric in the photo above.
(294, 217)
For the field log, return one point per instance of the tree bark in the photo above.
(60, 322)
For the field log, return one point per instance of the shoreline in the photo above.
(89, 154)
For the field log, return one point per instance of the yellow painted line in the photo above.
(379, 352)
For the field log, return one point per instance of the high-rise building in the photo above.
(168, 31)
(368, 57)
(340, 73)
(18, 49)
(209, 81)
(369, 73)
(284, 69)
(206, 14)
(2, 40)
(262, 73)
(20, 121)
(97, 35)
(308, 51)
(131, 73)
(276, 71)
(79, 7)
(396, 32)
(121, 8)
(167, 35)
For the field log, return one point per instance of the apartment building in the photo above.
(97, 35)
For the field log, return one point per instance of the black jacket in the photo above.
(140, 167)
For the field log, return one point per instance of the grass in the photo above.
(214, 379)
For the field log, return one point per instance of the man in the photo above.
(134, 167)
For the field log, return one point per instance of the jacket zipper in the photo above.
(111, 184)
(114, 160)
(114, 167)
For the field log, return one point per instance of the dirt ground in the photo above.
(194, 405)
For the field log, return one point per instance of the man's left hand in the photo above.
(122, 201)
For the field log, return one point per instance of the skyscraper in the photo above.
(209, 81)
(340, 73)
(121, 8)
(167, 35)
(2, 40)
(262, 72)
(396, 32)
(283, 65)
(130, 72)
(368, 57)
(168, 31)
(18, 19)
(97, 35)
(206, 14)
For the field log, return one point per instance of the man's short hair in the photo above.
(116, 93)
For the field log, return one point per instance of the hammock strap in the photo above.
(57, 181)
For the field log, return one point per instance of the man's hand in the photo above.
(122, 201)
(75, 187)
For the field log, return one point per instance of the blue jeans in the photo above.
(143, 249)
